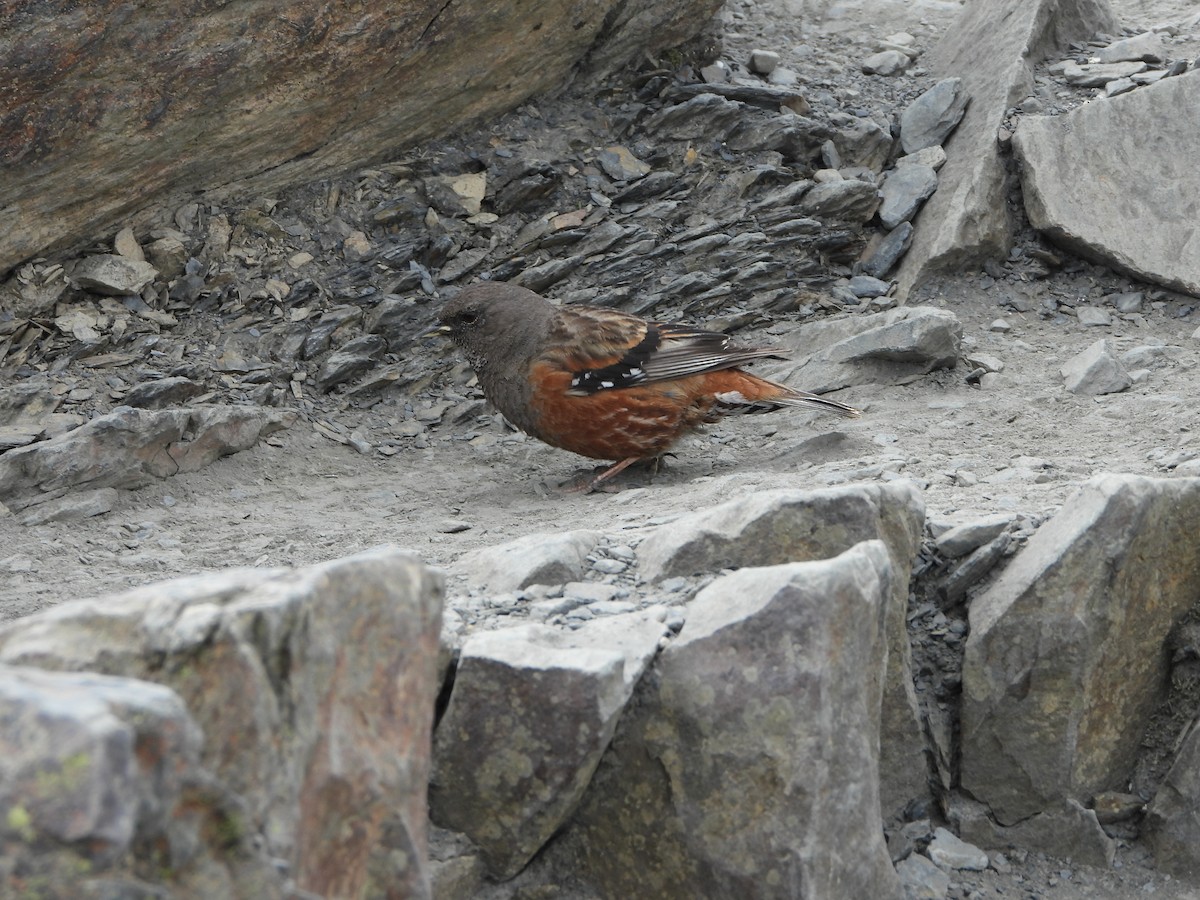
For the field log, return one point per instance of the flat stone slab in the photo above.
(1145, 140)
(967, 220)
(1065, 660)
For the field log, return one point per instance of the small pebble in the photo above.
(1093, 317)
(609, 566)
(763, 62)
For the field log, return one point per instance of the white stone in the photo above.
(763, 62)
(1095, 371)
(950, 852)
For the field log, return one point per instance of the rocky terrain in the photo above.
(283, 407)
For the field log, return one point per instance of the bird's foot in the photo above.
(600, 479)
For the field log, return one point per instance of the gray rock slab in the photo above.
(532, 711)
(891, 347)
(861, 142)
(71, 508)
(866, 286)
(620, 164)
(159, 392)
(534, 559)
(1119, 86)
(934, 157)
(1065, 659)
(973, 569)
(1092, 317)
(933, 116)
(703, 116)
(849, 199)
(12, 436)
(1092, 75)
(27, 401)
(904, 190)
(1146, 47)
(128, 448)
(1127, 302)
(962, 539)
(1146, 142)
(113, 275)
(313, 689)
(748, 765)
(772, 527)
(967, 221)
(763, 62)
(1095, 371)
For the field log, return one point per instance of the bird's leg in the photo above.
(611, 471)
(583, 483)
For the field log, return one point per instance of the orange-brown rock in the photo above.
(109, 107)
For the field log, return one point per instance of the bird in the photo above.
(603, 383)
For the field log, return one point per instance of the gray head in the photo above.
(499, 327)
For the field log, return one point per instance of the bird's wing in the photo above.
(684, 350)
(610, 349)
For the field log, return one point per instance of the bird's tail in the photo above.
(814, 401)
(748, 393)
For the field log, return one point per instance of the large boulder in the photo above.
(118, 106)
(774, 527)
(993, 47)
(749, 764)
(1145, 141)
(532, 710)
(314, 690)
(1066, 662)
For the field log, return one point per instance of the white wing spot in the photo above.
(635, 372)
(730, 397)
(606, 384)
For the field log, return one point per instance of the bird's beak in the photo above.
(436, 331)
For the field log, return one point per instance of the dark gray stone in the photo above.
(882, 257)
(931, 118)
(904, 190)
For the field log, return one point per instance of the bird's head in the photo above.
(490, 321)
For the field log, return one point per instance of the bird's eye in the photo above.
(468, 318)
